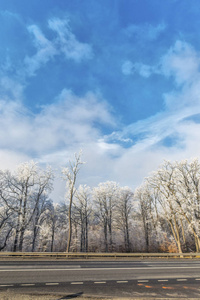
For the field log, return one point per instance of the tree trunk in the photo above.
(147, 236)
(70, 223)
(176, 235)
(21, 238)
(16, 235)
(127, 235)
(52, 238)
(86, 234)
(106, 236)
(34, 238)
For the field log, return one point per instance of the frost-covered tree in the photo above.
(38, 218)
(163, 185)
(81, 213)
(106, 198)
(70, 175)
(6, 225)
(187, 196)
(144, 197)
(172, 194)
(124, 207)
(21, 193)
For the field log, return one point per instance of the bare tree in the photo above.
(70, 175)
(39, 217)
(81, 212)
(105, 197)
(163, 184)
(187, 196)
(124, 207)
(21, 193)
(6, 225)
(148, 212)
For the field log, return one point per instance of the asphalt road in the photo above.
(160, 278)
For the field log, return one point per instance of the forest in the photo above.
(161, 215)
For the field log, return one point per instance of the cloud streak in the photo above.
(177, 121)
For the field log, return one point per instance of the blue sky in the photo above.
(118, 79)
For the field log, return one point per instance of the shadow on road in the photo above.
(71, 296)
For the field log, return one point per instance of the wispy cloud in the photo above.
(67, 42)
(182, 64)
(143, 70)
(10, 89)
(45, 51)
(146, 31)
(64, 43)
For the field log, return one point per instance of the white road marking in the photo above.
(51, 283)
(76, 282)
(163, 280)
(143, 281)
(197, 279)
(35, 267)
(122, 281)
(6, 285)
(27, 284)
(181, 279)
(99, 281)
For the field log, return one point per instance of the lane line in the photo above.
(3, 285)
(181, 279)
(35, 267)
(163, 280)
(99, 282)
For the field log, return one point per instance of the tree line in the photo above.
(161, 215)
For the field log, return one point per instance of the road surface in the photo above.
(145, 278)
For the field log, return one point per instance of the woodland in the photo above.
(161, 215)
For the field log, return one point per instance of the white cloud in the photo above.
(71, 120)
(127, 67)
(45, 51)
(10, 89)
(10, 159)
(67, 42)
(181, 62)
